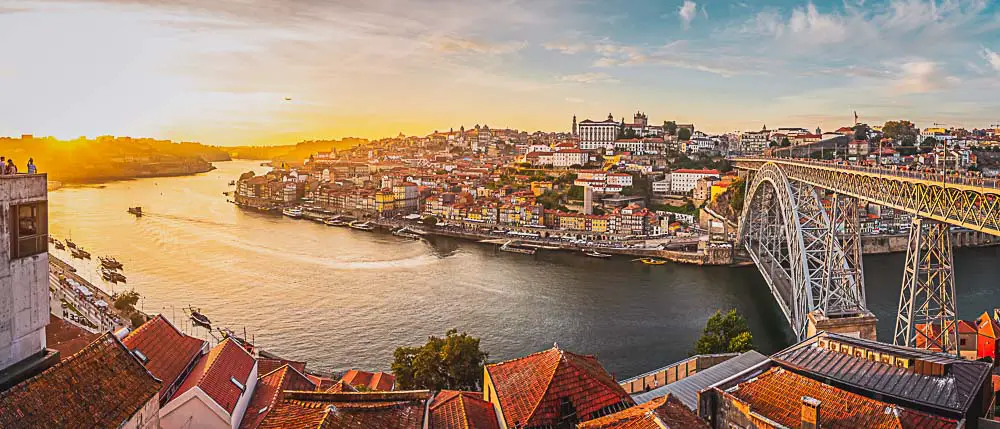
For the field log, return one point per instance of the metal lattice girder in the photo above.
(770, 232)
(845, 294)
(789, 236)
(972, 207)
(927, 313)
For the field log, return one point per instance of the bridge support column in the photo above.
(861, 325)
(927, 313)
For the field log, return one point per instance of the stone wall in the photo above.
(24, 292)
(879, 244)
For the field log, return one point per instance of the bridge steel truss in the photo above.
(927, 315)
(809, 257)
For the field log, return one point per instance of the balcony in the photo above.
(23, 188)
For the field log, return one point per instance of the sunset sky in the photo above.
(219, 71)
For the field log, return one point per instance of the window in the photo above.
(237, 383)
(29, 230)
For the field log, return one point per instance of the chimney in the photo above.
(810, 413)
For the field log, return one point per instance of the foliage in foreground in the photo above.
(454, 362)
(725, 333)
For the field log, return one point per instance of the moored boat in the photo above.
(363, 226)
(137, 211)
(199, 319)
(70, 244)
(335, 221)
(292, 212)
(110, 263)
(59, 245)
(651, 261)
(596, 254)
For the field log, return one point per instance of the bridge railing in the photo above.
(929, 174)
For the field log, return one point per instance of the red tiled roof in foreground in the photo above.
(462, 410)
(663, 412)
(167, 350)
(375, 381)
(266, 365)
(314, 410)
(213, 374)
(531, 389)
(101, 386)
(777, 394)
(270, 389)
(65, 337)
(340, 387)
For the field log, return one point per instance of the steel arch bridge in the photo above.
(810, 256)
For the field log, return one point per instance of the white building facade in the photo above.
(684, 181)
(598, 134)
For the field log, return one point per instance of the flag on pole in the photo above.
(855, 117)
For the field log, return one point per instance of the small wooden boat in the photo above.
(70, 243)
(363, 226)
(137, 211)
(110, 263)
(59, 245)
(596, 254)
(651, 261)
(199, 319)
(336, 221)
(232, 183)
(79, 253)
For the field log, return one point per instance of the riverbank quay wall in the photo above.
(882, 244)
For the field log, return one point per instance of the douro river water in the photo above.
(340, 298)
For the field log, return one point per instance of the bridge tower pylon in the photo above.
(928, 316)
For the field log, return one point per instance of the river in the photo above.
(341, 299)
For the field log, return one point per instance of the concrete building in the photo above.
(569, 158)
(598, 134)
(24, 278)
(683, 181)
(662, 187)
(754, 142)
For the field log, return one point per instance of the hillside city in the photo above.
(73, 356)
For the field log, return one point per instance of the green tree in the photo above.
(725, 333)
(126, 301)
(785, 142)
(928, 143)
(453, 362)
(901, 131)
(429, 220)
(738, 191)
(684, 134)
(670, 127)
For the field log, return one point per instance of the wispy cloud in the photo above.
(921, 76)
(992, 58)
(453, 44)
(564, 47)
(588, 78)
(687, 12)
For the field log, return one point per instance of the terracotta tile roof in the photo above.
(270, 389)
(167, 351)
(531, 389)
(266, 365)
(665, 411)
(374, 381)
(953, 391)
(383, 410)
(322, 383)
(777, 394)
(462, 410)
(213, 374)
(100, 386)
(340, 387)
(65, 337)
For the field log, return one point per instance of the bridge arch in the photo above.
(771, 231)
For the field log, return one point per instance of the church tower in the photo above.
(574, 125)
